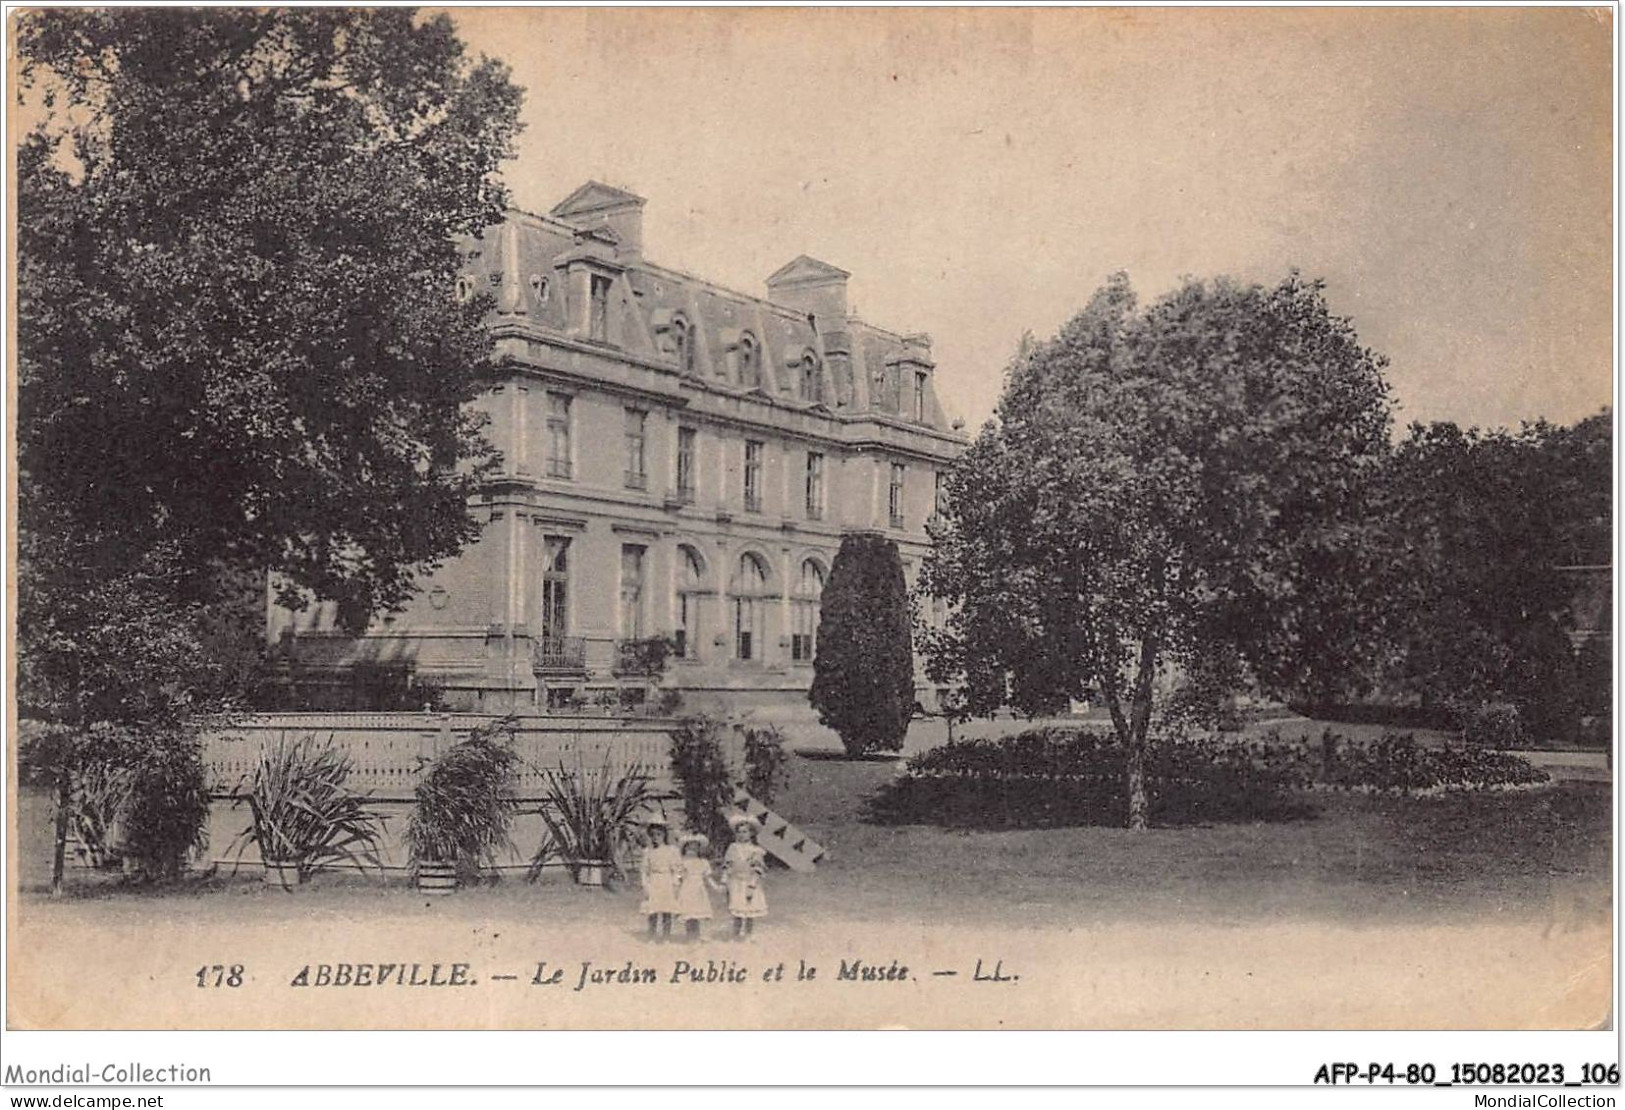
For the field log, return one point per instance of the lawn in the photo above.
(1477, 911)
(1360, 859)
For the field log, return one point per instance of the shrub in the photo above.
(767, 766)
(863, 668)
(166, 809)
(1057, 776)
(1546, 684)
(141, 795)
(647, 658)
(466, 802)
(592, 817)
(1395, 763)
(301, 812)
(1594, 678)
(1493, 725)
(700, 767)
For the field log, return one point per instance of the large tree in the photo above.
(863, 670)
(1160, 488)
(238, 345)
(1484, 519)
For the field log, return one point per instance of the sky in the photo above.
(980, 172)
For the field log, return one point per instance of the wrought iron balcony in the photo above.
(560, 655)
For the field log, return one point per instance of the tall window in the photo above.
(894, 495)
(750, 365)
(812, 382)
(753, 476)
(815, 485)
(690, 587)
(804, 637)
(685, 465)
(558, 435)
(749, 588)
(631, 591)
(939, 496)
(682, 333)
(637, 476)
(919, 396)
(555, 593)
(598, 316)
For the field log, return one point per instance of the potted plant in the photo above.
(465, 803)
(591, 818)
(303, 815)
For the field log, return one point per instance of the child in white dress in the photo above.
(657, 872)
(742, 869)
(695, 882)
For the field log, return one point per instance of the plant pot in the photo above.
(589, 874)
(283, 873)
(438, 879)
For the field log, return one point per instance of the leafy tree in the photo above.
(863, 671)
(1163, 488)
(1484, 519)
(238, 345)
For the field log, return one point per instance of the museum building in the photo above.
(679, 461)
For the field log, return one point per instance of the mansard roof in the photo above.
(856, 367)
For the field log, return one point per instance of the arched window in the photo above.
(809, 592)
(749, 589)
(750, 362)
(690, 590)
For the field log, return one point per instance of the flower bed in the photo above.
(1055, 776)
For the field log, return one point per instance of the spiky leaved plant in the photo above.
(303, 814)
(466, 801)
(591, 816)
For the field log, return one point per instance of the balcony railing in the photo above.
(560, 655)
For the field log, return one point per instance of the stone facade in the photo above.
(679, 460)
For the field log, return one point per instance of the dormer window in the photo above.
(750, 362)
(598, 320)
(919, 396)
(812, 382)
(538, 287)
(682, 337)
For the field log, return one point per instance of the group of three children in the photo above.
(678, 881)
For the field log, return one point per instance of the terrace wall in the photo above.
(391, 751)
